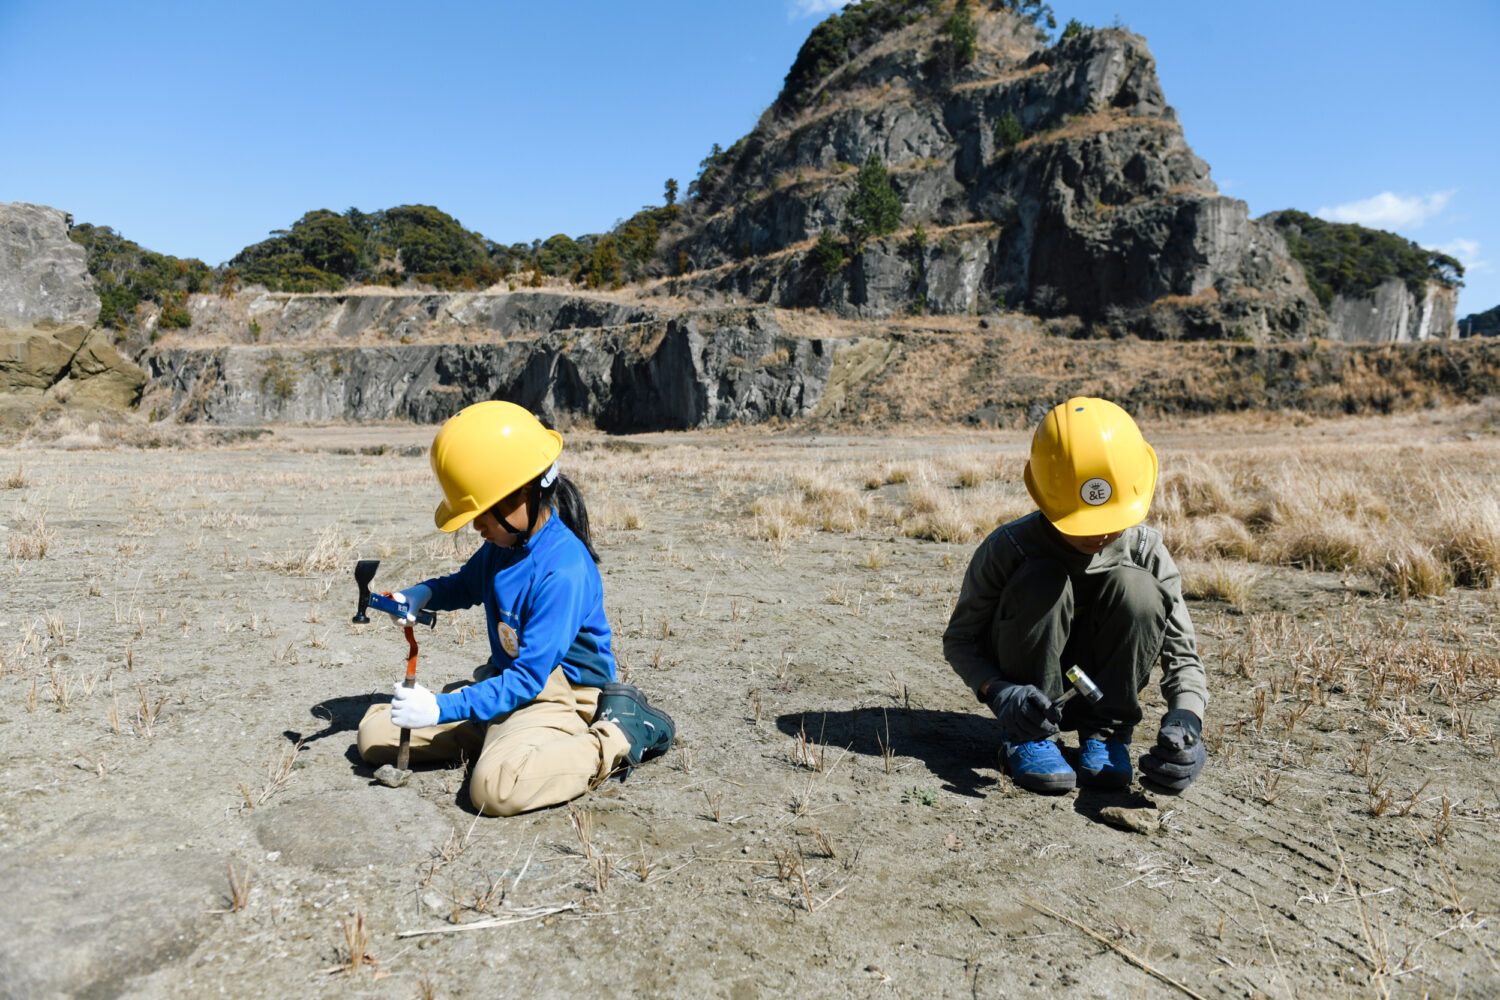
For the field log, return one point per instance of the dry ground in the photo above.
(183, 816)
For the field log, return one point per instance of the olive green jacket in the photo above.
(1184, 683)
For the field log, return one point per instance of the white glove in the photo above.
(413, 707)
(414, 598)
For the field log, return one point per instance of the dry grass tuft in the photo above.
(1468, 539)
(330, 553)
(31, 539)
(1218, 580)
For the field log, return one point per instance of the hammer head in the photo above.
(1083, 684)
(364, 572)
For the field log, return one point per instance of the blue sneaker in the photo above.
(1037, 766)
(1104, 765)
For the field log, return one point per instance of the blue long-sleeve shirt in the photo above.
(544, 605)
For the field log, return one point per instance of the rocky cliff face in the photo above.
(1392, 314)
(695, 370)
(1102, 211)
(49, 350)
(259, 317)
(44, 279)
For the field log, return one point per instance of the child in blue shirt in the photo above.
(549, 720)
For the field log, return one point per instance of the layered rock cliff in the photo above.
(699, 369)
(50, 351)
(1054, 179)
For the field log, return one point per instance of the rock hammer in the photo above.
(1082, 684)
(364, 572)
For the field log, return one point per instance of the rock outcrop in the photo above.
(44, 278)
(695, 370)
(50, 350)
(1100, 211)
(255, 316)
(1392, 314)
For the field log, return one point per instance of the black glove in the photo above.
(1178, 756)
(1024, 712)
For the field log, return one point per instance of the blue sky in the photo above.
(195, 129)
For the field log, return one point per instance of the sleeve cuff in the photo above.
(1191, 701)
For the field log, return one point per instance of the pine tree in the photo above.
(873, 208)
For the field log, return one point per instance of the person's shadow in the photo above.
(953, 745)
(341, 715)
(959, 748)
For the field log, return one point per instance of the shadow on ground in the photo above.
(957, 747)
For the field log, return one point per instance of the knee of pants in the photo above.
(1035, 589)
(490, 791)
(1134, 592)
(376, 733)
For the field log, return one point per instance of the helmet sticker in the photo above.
(1096, 492)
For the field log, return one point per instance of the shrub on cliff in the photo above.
(126, 274)
(1008, 130)
(828, 254)
(873, 208)
(963, 37)
(1341, 258)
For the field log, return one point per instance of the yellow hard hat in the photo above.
(483, 454)
(1091, 472)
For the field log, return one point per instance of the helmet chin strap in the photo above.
(534, 502)
(547, 478)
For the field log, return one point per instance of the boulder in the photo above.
(70, 364)
(44, 278)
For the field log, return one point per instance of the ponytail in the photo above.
(563, 497)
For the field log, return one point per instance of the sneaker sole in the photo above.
(1046, 784)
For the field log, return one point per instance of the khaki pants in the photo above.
(542, 753)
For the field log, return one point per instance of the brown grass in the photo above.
(31, 538)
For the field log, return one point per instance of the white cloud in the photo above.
(1388, 211)
(1467, 252)
(798, 9)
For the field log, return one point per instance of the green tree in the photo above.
(1074, 27)
(671, 191)
(1344, 258)
(873, 208)
(963, 36)
(1008, 130)
(828, 254)
(126, 274)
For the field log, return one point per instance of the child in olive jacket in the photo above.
(1082, 582)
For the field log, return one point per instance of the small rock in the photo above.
(1138, 820)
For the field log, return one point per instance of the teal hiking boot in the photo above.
(649, 730)
(1037, 766)
(1104, 765)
